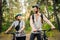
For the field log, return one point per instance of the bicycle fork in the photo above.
(44, 36)
(13, 37)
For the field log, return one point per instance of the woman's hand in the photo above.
(19, 31)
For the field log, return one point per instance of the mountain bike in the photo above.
(13, 33)
(44, 36)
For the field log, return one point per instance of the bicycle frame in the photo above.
(44, 35)
(13, 35)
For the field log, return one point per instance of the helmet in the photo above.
(37, 6)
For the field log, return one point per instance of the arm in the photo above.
(46, 20)
(21, 29)
(8, 29)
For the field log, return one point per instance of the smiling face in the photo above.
(18, 17)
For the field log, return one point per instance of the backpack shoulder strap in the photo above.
(33, 18)
(41, 18)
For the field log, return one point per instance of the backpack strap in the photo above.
(40, 16)
(33, 18)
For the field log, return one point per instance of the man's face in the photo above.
(35, 9)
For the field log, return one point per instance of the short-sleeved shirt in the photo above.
(22, 24)
(37, 24)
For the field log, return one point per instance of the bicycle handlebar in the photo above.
(11, 33)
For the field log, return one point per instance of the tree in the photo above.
(55, 13)
(0, 15)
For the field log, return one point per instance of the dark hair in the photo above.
(37, 6)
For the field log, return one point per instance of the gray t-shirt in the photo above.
(37, 23)
(22, 24)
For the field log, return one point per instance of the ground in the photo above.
(9, 36)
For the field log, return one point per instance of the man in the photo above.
(19, 25)
(36, 24)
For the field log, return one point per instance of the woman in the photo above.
(19, 25)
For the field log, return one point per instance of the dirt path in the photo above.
(9, 37)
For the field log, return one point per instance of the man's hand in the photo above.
(6, 31)
(34, 30)
(52, 27)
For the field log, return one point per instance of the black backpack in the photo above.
(41, 18)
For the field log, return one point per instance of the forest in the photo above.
(10, 8)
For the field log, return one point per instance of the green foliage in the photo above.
(50, 34)
(8, 13)
(4, 6)
(31, 13)
(50, 9)
(46, 26)
(55, 24)
(28, 28)
(5, 25)
(42, 8)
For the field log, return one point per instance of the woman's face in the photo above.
(19, 17)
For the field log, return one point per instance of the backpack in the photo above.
(40, 16)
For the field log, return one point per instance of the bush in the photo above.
(27, 28)
(5, 26)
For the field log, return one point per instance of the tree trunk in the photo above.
(0, 15)
(47, 9)
(55, 13)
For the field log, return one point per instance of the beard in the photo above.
(36, 12)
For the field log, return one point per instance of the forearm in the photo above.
(49, 23)
(9, 29)
(32, 25)
(22, 29)
(46, 20)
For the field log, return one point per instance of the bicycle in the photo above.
(44, 36)
(13, 33)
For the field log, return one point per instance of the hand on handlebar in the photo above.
(20, 31)
(5, 32)
(34, 30)
(52, 27)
